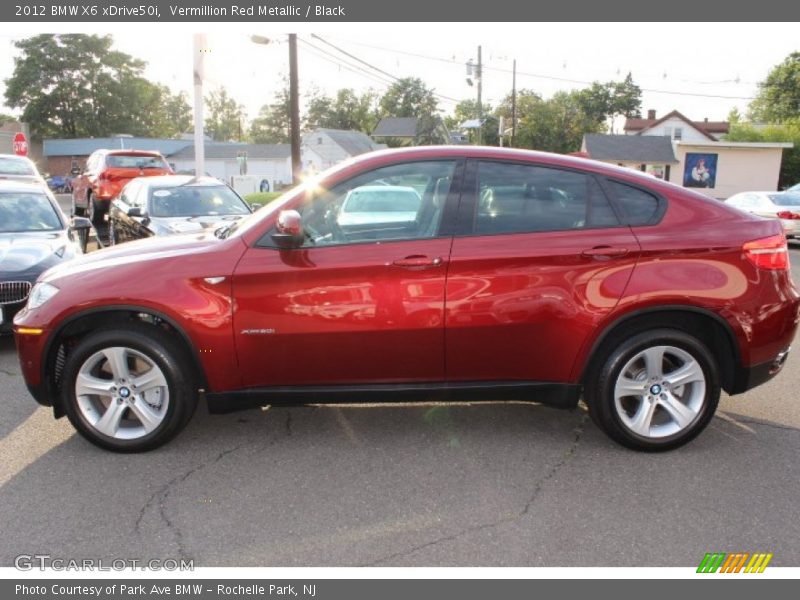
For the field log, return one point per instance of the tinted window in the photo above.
(195, 201)
(134, 161)
(640, 207)
(786, 199)
(27, 212)
(398, 202)
(516, 198)
(15, 166)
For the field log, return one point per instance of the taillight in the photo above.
(102, 176)
(768, 253)
(787, 214)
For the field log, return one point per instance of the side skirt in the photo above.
(559, 395)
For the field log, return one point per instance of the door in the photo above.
(362, 300)
(543, 257)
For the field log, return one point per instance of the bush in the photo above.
(262, 198)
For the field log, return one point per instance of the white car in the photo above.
(776, 205)
(374, 204)
(20, 169)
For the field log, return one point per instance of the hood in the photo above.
(192, 224)
(140, 251)
(32, 251)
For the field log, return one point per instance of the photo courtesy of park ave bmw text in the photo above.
(357, 299)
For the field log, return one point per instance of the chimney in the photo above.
(651, 114)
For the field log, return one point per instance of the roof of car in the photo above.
(19, 186)
(176, 180)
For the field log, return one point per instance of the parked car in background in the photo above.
(21, 169)
(775, 205)
(150, 206)
(34, 236)
(525, 275)
(106, 172)
(59, 184)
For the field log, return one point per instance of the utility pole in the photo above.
(200, 51)
(479, 77)
(513, 102)
(294, 109)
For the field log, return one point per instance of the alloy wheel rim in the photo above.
(660, 392)
(122, 393)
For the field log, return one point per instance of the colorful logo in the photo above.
(735, 562)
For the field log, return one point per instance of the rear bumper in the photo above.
(747, 378)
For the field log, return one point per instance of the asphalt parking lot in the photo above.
(481, 485)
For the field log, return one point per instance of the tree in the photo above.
(76, 85)
(347, 110)
(409, 97)
(554, 125)
(225, 117)
(467, 110)
(603, 102)
(778, 98)
(273, 123)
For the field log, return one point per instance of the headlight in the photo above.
(41, 293)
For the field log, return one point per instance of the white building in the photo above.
(323, 148)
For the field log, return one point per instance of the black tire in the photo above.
(165, 353)
(95, 212)
(599, 391)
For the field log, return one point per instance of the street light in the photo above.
(294, 102)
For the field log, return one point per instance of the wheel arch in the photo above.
(707, 326)
(79, 324)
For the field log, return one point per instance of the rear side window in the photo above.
(640, 207)
(515, 198)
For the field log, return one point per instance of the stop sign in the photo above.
(20, 145)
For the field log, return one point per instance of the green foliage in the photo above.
(75, 85)
(225, 119)
(778, 98)
(408, 97)
(468, 109)
(347, 110)
(262, 198)
(554, 125)
(788, 131)
(273, 123)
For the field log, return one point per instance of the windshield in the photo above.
(25, 211)
(15, 166)
(195, 201)
(135, 161)
(786, 199)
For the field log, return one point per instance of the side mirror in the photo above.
(255, 206)
(80, 224)
(288, 230)
(134, 211)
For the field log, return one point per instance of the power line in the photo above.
(327, 56)
(549, 77)
(379, 70)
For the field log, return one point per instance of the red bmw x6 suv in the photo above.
(455, 273)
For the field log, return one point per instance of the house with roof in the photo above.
(651, 154)
(700, 157)
(323, 148)
(677, 127)
(411, 131)
(227, 160)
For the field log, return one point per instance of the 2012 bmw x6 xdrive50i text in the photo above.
(461, 273)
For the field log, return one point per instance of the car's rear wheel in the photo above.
(654, 391)
(128, 389)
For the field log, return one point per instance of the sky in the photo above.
(700, 69)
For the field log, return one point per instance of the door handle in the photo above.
(604, 252)
(418, 261)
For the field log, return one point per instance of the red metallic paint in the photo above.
(502, 307)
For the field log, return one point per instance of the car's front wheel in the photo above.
(128, 389)
(654, 391)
